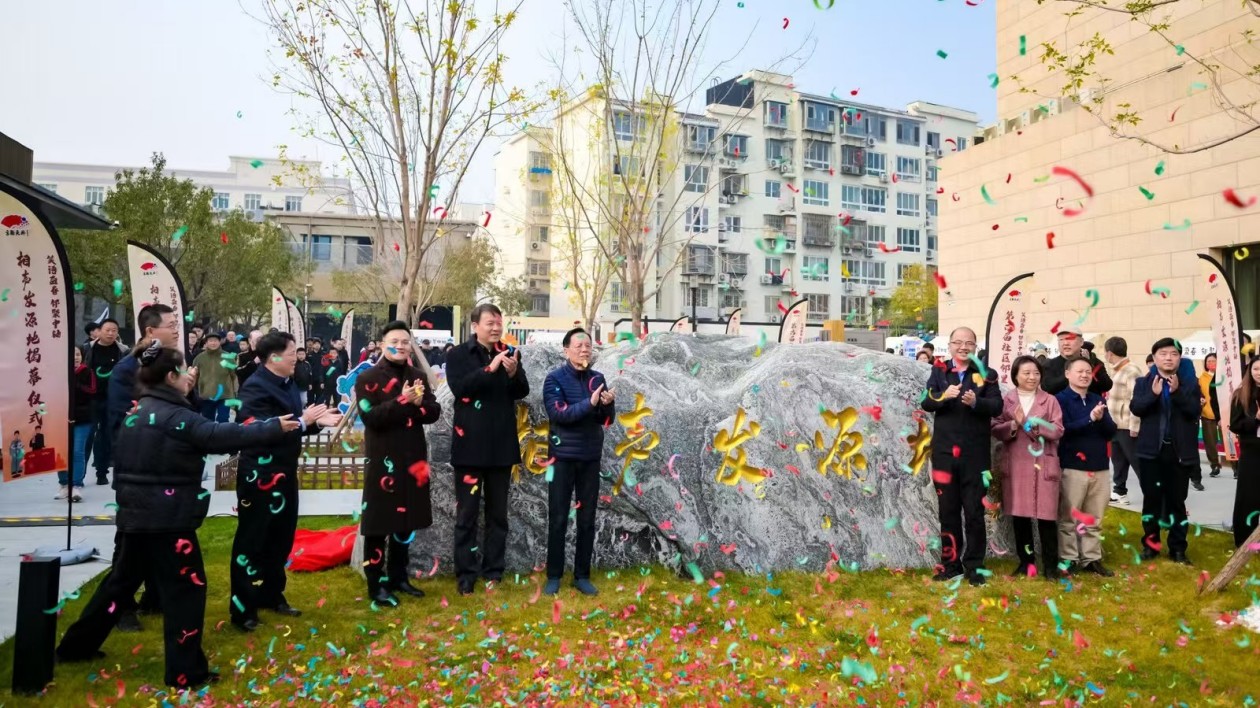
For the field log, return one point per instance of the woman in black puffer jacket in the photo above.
(157, 475)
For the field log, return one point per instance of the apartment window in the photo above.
(962, 144)
(539, 199)
(931, 173)
(733, 224)
(775, 222)
(815, 268)
(697, 177)
(628, 166)
(876, 163)
(774, 266)
(908, 133)
(931, 207)
(820, 118)
(697, 219)
(874, 199)
(777, 150)
(908, 240)
(852, 160)
(907, 204)
(818, 155)
(359, 250)
(93, 195)
(542, 233)
(870, 234)
(735, 184)
(321, 247)
(773, 313)
(865, 272)
(850, 197)
(901, 272)
(539, 162)
(700, 137)
(701, 296)
(221, 201)
(47, 186)
(877, 126)
(776, 114)
(253, 202)
(931, 241)
(293, 204)
(908, 168)
(732, 299)
(853, 306)
(540, 268)
(816, 193)
(774, 188)
(627, 126)
(736, 145)
(934, 140)
(735, 263)
(617, 298)
(819, 306)
(540, 303)
(850, 123)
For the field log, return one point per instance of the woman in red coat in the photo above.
(395, 402)
(1030, 425)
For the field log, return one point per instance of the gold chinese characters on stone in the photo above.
(533, 440)
(639, 440)
(735, 467)
(845, 454)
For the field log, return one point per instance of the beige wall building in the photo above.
(1123, 238)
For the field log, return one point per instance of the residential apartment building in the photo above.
(256, 185)
(772, 194)
(1151, 213)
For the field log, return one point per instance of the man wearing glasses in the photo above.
(963, 401)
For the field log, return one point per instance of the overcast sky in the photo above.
(111, 82)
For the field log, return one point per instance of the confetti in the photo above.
(1159, 169)
(942, 53)
(1023, 45)
(1242, 253)
(1169, 226)
(1146, 193)
(255, 163)
(1193, 305)
(984, 192)
(118, 288)
(1232, 197)
(993, 80)
(1050, 239)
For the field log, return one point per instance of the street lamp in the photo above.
(306, 310)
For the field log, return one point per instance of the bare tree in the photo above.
(409, 90)
(617, 141)
(1231, 73)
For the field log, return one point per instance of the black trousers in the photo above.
(1165, 483)
(1049, 533)
(180, 578)
(961, 511)
(569, 476)
(102, 442)
(472, 484)
(266, 523)
(384, 561)
(1123, 456)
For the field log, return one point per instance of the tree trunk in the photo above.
(1235, 564)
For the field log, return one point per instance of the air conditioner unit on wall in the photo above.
(883, 177)
(870, 142)
(535, 246)
(775, 162)
(766, 279)
(724, 278)
(776, 318)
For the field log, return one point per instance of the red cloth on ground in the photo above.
(321, 550)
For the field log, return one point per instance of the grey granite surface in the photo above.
(673, 510)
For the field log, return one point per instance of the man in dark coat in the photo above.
(395, 402)
(266, 484)
(101, 355)
(964, 402)
(1167, 400)
(486, 379)
(1071, 346)
(579, 406)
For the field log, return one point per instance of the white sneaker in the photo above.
(78, 494)
(1114, 497)
(62, 492)
(1120, 499)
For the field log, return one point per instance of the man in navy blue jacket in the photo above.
(580, 406)
(266, 484)
(1167, 401)
(1085, 488)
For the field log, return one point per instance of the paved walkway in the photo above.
(1211, 508)
(27, 505)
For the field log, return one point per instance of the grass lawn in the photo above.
(877, 638)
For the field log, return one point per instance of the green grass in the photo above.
(653, 638)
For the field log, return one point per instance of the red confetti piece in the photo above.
(956, 452)
(995, 227)
(1081, 455)
(1089, 191)
(555, 612)
(459, 431)
(1173, 117)
(1008, 177)
(1087, 519)
(397, 247)
(1050, 239)
(941, 476)
(420, 470)
(1152, 542)
(794, 189)
(884, 247)
(469, 479)
(1232, 197)
(223, 237)
(940, 280)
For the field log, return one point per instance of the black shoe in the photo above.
(465, 587)
(383, 597)
(246, 625)
(73, 659)
(1198, 486)
(128, 622)
(196, 685)
(405, 587)
(102, 480)
(1180, 558)
(287, 610)
(976, 579)
(947, 574)
(1216, 472)
(1097, 568)
(1149, 553)
(1021, 570)
(1052, 573)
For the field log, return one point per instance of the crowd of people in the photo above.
(1064, 425)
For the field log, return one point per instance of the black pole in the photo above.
(695, 324)
(70, 495)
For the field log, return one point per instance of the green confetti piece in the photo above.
(233, 403)
(1159, 169)
(205, 493)
(942, 53)
(265, 460)
(1023, 45)
(130, 421)
(890, 524)
(1043, 178)
(364, 405)
(179, 233)
(993, 80)
(1169, 226)
(987, 477)
(922, 620)
(1179, 49)
(1192, 307)
(999, 678)
(696, 575)
(118, 288)
(112, 505)
(255, 163)
(189, 317)
(1021, 220)
(1146, 193)
(1197, 86)
(984, 192)
(236, 602)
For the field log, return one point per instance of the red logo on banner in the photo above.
(147, 267)
(15, 225)
(1015, 294)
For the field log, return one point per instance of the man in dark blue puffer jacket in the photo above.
(580, 406)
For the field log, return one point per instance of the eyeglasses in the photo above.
(957, 343)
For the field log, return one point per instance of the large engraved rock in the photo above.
(737, 457)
